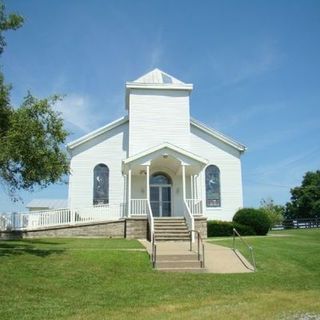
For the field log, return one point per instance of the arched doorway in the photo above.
(160, 194)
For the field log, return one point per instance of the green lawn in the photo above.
(100, 279)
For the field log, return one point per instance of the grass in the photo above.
(113, 279)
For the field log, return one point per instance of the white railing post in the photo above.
(148, 182)
(129, 193)
(72, 216)
(186, 211)
(184, 182)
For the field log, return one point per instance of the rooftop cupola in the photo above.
(158, 107)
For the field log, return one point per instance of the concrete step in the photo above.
(175, 257)
(171, 238)
(178, 264)
(172, 231)
(170, 224)
(168, 218)
(165, 225)
(193, 270)
(169, 227)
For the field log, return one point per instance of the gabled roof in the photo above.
(97, 132)
(158, 76)
(214, 133)
(169, 146)
(218, 135)
(158, 79)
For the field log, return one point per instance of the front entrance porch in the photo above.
(164, 182)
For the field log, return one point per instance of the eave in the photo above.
(218, 135)
(97, 132)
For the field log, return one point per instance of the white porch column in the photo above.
(184, 182)
(202, 189)
(195, 181)
(191, 187)
(148, 182)
(129, 193)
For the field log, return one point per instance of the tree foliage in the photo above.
(305, 200)
(31, 135)
(275, 212)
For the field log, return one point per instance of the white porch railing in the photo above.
(60, 217)
(139, 207)
(189, 218)
(6, 221)
(195, 206)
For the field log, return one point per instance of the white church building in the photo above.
(157, 160)
(156, 173)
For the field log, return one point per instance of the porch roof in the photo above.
(165, 148)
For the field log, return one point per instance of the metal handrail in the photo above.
(199, 239)
(150, 219)
(154, 252)
(236, 233)
(152, 235)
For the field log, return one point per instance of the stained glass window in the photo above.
(101, 184)
(213, 198)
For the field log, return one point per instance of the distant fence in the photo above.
(300, 223)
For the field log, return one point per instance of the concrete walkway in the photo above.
(218, 259)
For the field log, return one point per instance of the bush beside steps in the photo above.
(247, 221)
(225, 229)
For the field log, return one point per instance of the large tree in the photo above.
(305, 200)
(31, 136)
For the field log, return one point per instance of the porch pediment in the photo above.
(165, 151)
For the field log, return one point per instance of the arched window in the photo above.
(213, 198)
(160, 178)
(100, 184)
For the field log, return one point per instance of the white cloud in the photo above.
(79, 111)
(156, 51)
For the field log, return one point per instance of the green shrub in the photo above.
(243, 229)
(257, 219)
(219, 228)
(225, 229)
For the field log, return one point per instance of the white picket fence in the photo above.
(59, 217)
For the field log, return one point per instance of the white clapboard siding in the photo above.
(109, 148)
(227, 159)
(158, 116)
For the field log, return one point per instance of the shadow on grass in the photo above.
(16, 248)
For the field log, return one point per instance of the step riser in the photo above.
(172, 232)
(171, 229)
(168, 219)
(191, 270)
(178, 226)
(172, 239)
(182, 257)
(178, 264)
(170, 225)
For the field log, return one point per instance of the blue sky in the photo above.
(254, 64)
